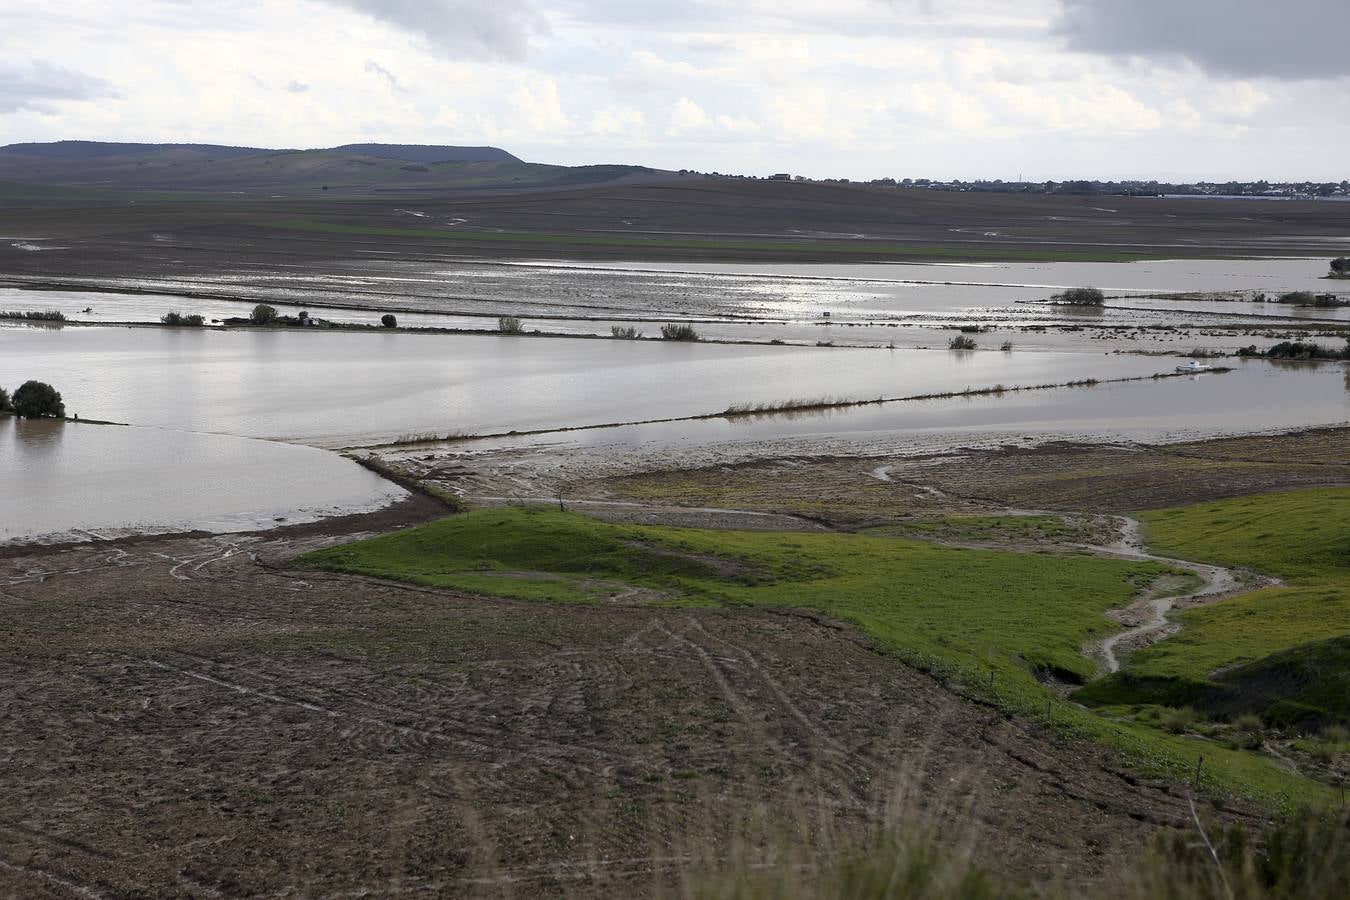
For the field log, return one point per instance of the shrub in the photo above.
(388, 320)
(34, 315)
(1340, 265)
(1179, 720)
(510, 325)
(192, 320)
(626, 332)
(264, 315)
(962, 342)
(1248, 722)
(679, 333)
(36, 399)
(5, 405)
(1302, 298)
(1082, 296)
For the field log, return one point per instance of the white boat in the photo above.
(1193, 366)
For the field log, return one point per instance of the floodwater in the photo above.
(737, 301)
(70, 480)
(337, 389)
(1258, 396)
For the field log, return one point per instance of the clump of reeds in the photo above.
(510, 325)
(625, 332)
(962, 342)
(34, 315)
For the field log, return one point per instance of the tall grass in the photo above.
(34, 315)
(510, 325)
(625, 332)
(962, 342)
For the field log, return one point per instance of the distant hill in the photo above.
(424, 153)
(350, 169)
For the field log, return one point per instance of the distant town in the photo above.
(1247, 190)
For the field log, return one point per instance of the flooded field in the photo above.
(73, 481)
(889, 324)
(337, 389)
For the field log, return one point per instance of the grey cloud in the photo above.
(38, 85)
(297, 87)
(375, 68)
(468, 29)
(1290, 39)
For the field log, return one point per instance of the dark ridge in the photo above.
(102, 150)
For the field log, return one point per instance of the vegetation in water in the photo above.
(1297, 350)
(177, 319)
(679, 332)
(962, 342)
(388, 320)
(1081, 296)
(37, 400)
(510, 325)
(264, 315)
(625, 332)
(34, 315)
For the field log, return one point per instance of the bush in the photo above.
(264, 315)
(510, 325)
(388, 320)
(194, 320)
(1301, 298)
(5, 405)
(1340, 265)
(1082, 296)
(36, 399)
(679, 333)
(176, 319)
(962, 342)
(1179, 720)
(626, 332)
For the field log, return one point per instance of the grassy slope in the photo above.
(1302, 538)
(983, 619)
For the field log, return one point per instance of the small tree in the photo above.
(510, 325)
(5, 405)
(172, 318)
(264, 315)
(388, 320)
(36, 399)
(1082, 296)
(1341, 266)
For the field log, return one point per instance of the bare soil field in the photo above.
(190, 716)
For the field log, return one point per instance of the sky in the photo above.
(861, 89)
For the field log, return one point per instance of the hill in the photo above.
(361, 168)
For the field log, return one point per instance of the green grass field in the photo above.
(991, 623)
(1280, 652)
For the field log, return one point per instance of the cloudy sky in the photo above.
(1166, 89)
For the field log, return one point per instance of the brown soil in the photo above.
(188, 716)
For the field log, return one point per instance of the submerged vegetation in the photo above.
(34, 315)
(1297, 350)
(1081, 296)
(679, 332)
(37, 400)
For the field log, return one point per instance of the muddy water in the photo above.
(338, 389)
(1257, 396)
(76, 480)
